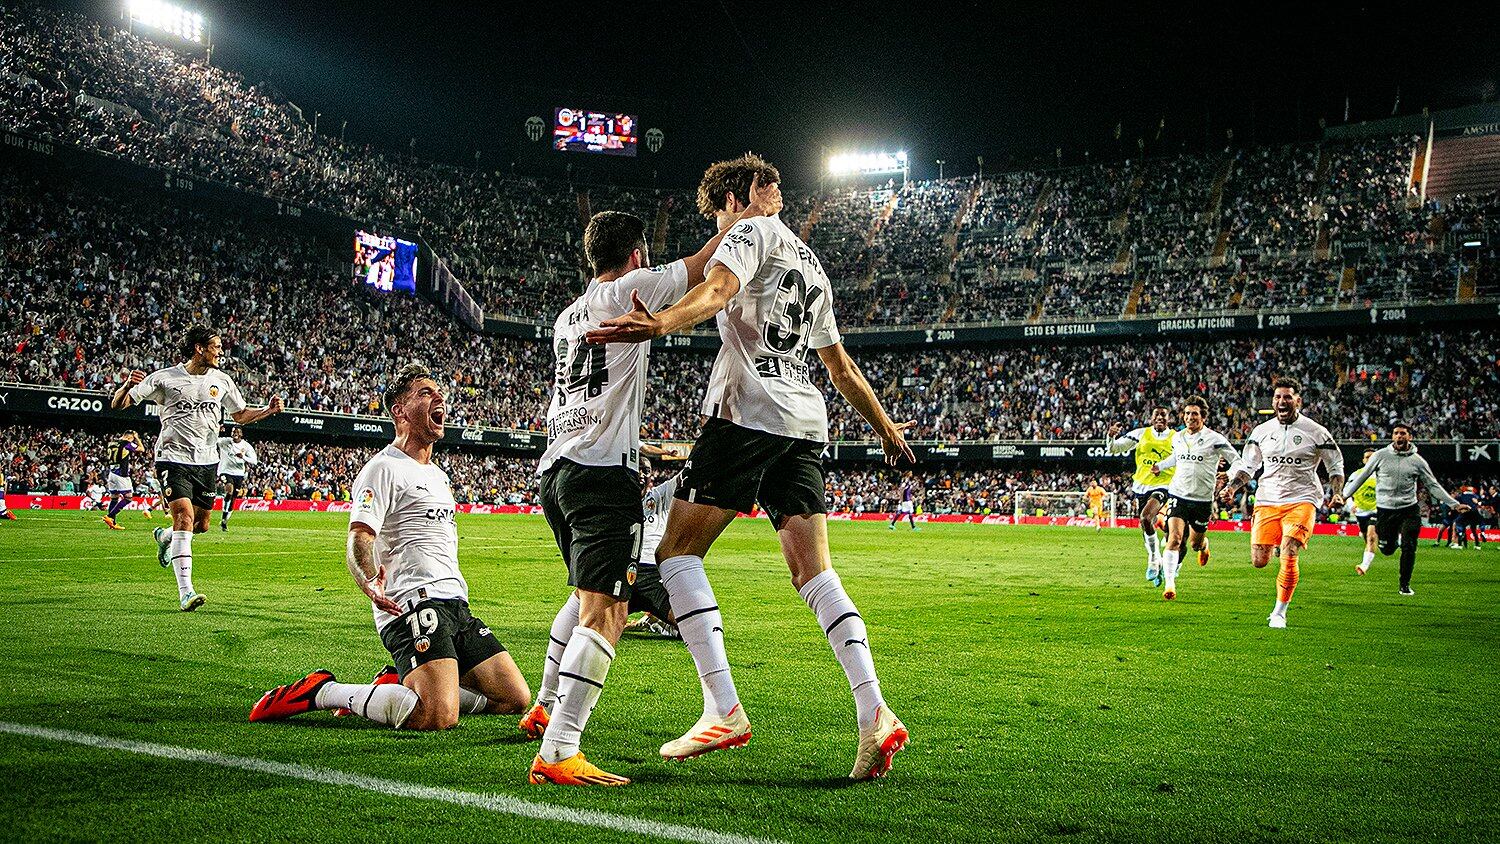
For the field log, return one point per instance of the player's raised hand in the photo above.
(374, 588)
(136, 377)
(637, 326)
(1336, 502)
(894, 444)
(1114, 429)
(275, 406)
(765, 200)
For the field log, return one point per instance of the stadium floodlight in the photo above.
(868, 164)
(170, 19)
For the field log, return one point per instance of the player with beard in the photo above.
(767, 428)
(193, 397)
(402, 552)
(1287, 450)
(590, 491)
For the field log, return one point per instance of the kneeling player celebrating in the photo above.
(447, 660)
(1196, 452)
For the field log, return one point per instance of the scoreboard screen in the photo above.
(603, 133)
(388, 264)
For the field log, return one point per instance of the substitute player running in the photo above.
(1289, 450)
(1151, 445)
(402, 552)
(762, 443)
(1194, 462)
(1396, 470)
(193, 397)
(1363, 502)
(590, 491)
(235, 459)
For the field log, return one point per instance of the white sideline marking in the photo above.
(487, 802)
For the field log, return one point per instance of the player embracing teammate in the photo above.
(762, 443)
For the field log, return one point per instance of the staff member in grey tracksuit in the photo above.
(1397, 469)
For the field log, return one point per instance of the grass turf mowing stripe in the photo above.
(393, 788)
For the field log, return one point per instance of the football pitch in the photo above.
(1051, 695)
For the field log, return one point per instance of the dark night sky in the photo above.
(1007, 80)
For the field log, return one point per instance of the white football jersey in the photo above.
(657, 503)
(411, 509)
(784, 307)
(599, 392)
(1196, 459)
(192, 409)
(1290, 455)
(234, 457)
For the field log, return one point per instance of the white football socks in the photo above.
(1169, 568)
(388, 703)
(846, 633)
(471, 702)
(181, 555)
(1280, 608)
(702, 628)
(557, 642)
(1152, 554)
(1369, 558)
(585, 664)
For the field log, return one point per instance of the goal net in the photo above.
(1065, 507)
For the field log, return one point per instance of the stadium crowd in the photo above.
(892, 251)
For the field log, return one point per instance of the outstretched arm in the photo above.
(699, 304)
(251, 415)
(764, 202)
(851, 384)
(121, 399)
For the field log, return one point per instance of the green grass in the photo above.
(1049, 691)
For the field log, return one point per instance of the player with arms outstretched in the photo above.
(235, 459)
(1287, 450)
(590, 491)
(767, 428)
(1150, 444)
(1197, 451)
(193, 397)
(402, 552)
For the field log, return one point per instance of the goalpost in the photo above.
(1070, 506)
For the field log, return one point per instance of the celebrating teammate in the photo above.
(235, 459)
(589, 489)
(1363, 502)
(1396, 470)
(1289, 448)
(1150, 444)
(121, 481)
(1194, 462)
(193, 397)
(402, 552)
(763, 441)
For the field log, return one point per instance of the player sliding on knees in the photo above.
(1150, 445)
(193, 397)
(403, 553)
(762, 442)
(590, 490)
(1289, 448)
(1194, 463)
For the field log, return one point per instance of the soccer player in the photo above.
(1095, 495)
(121, 484)
(590, 492)
(1397, 469)
(93, 495)
(1289, 448)
(402, 552)
(907, 506)
(1363, 501)
(1194, 462)
(1467, 521)
(1151, 444)
(5, 512)
(193, 397)
(762, 443)
(235, 458)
